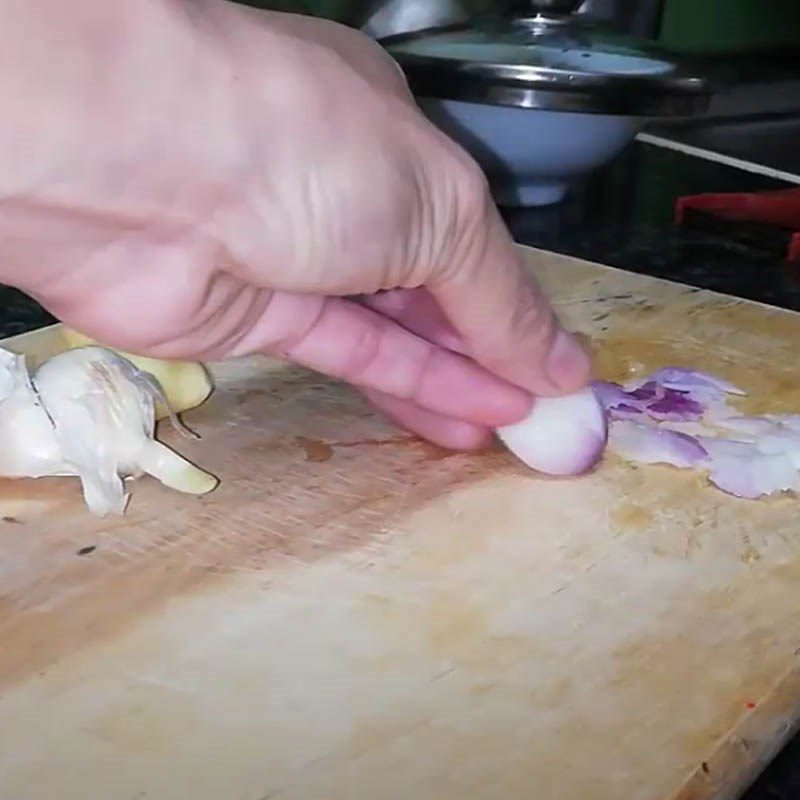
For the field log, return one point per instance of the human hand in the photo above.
(202, 180)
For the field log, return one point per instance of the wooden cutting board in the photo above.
(356, 614)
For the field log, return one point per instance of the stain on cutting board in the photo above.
(315, 450)
(631, 516)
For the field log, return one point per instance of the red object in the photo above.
(751, 705)
(780, 208)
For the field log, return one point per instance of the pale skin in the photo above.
(201, 180)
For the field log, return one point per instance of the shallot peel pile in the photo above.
(685, 418)
(679, 417)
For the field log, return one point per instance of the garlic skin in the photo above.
(186, 384)
(90, 413)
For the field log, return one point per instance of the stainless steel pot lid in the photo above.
(548, 61)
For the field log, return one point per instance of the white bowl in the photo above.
(532, 156)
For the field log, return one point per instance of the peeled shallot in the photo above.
(561, 435)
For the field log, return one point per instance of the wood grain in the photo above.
(357, 614)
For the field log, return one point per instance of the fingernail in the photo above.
(568, 365)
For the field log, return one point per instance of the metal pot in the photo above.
(540, 97)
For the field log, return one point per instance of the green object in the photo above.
(730, 26)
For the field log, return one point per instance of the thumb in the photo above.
(506, 322)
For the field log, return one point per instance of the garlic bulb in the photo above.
(90, 413)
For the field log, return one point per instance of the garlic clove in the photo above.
(30, 448)
(174, 471)
(103, 489)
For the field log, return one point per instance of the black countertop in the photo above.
(623, 216)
